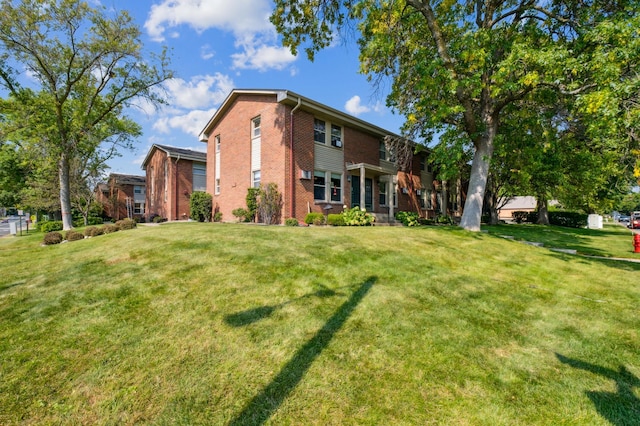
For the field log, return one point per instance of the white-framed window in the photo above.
(138, 208)
(428, 197)
(382, 193)
(217, 189)
(256, 178)
(320, 134)
(216, 140)
(385, 154)
(199, 177)
(327, 186)
(255, 127)
(319, 185)
(394, 193)
(138, 189)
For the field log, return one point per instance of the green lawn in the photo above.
(219, 324)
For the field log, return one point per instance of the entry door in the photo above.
(368, 192)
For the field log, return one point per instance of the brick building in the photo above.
(122, 196)
(172, 174)
(320, 158)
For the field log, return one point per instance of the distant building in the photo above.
(172, 174)
(123, 196)
(320, 158)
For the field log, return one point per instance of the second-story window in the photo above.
(319, 131)
(217, 142)
(336, 136)
(255, 127)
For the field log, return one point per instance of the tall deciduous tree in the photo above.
(88, 67)
(461, 63)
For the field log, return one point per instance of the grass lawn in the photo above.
(220, 324)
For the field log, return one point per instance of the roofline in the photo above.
(165, 149)
(291, 98)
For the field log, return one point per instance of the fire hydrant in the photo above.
(636, 243)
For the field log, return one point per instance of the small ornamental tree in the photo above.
(200, 206)
(269, 204)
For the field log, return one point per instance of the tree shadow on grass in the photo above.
(621, 408)
(263, 405)
(240, 319)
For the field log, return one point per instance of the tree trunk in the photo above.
(472, 215)
(65, 193)
(543, 210)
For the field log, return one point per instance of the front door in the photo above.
(368, 192)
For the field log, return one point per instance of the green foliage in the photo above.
(217, 217)
(53, 237)
(159, 219)
(72, 235)
(110, 228)
(13, 174)
(444, 220)
(334, 219)
(408, 218)
(520, 216)
(252, 202)
(314, 218)
(269, 204)
(568, 219)
(93, 231)
(200, 206)
(292, 221)
(126, 224)
(54, 225)
(241, 214)
(357, 217)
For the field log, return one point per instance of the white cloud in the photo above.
(192, 122)
(206, 52)
(238, 16)
(201, 91)
(354, 106)
(262, 57)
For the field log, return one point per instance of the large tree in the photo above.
(461, 63)
(84, 67)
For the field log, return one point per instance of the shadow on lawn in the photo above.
(263, 405)
(621, 408)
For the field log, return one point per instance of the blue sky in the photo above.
(219, 45)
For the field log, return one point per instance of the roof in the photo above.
(127, 179)
(294, 100)
(520, 203)
(174, 152)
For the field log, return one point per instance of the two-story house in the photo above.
(320, 158)
(172, 174)
(123, 196)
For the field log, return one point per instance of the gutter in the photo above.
(292, 180)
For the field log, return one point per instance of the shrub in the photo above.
(444, 220)
(519, 216)
(408, 218)
(217, 217)
(357, 217)
(335, 219)
(72, 235)
(53, 237)
(50, 226)
(269, 204)
(93, 231)
(110, 228)
(125, 224)
(241, 214)
(568, 219)
(532, 217)
(252, 203)
(314, 218)
(94, 220)
(292, 221)
(200, 206)
(158, 219)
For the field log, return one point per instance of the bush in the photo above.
(93, 231)
(217, 217)
(72, 235)
(158, 219)
(357, 217)
(50, 226)
(252, 203)
(125, 224)
(444, 220)
(241, 214)
(269, 204)
(200, 206)
(53, 237)
(314, 218)
(334, 219)
(408, 218)
(292, 221)
(568, 219)
(110, 228)
(94, 220)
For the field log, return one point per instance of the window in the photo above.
(137, 189)
(394, 193)
(319, 131)
(217, 142)
(319, 185)
(255, 127)
(199, 177)
(256, 179)
(336, 187)
(382, 193)
(336, 136)
(138, 208)
(428, 194)
(217, 186)
(383, 151)
(422, 164)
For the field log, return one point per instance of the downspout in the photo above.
(292, 178)
(176, 183)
